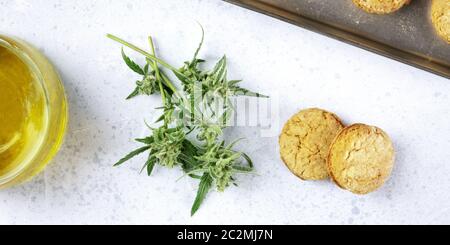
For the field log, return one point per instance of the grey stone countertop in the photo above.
(300, 68)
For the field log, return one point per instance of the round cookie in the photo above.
(440, 16)
(381, 6)
(361, 158)
(305, 142)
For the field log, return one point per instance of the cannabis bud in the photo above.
(167, 145)
(148, 86)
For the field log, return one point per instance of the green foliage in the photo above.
(206, 158)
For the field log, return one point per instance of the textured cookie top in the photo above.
(440, 15)
(380, 6)
(305, 142)
(361, 158)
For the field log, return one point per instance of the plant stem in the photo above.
(139, 50)
(157, 73)
(149, 56)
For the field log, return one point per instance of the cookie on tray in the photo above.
(381, 6)
(305, 142)
(361, 158)
(440, 16)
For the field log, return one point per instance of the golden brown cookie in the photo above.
(440, 16)
(305, 142)
(361, 158)
(381, 6)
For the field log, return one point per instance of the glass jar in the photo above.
(33, 111)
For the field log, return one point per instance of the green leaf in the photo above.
(243, 169)
(187, 158)
(194, 176)
(248, 159)
(170, 146)
(161, 118)
(233, 144)
(167, 84)
(204, 187)
(188, 163)
(131, 155)
(149, 161)
(246, 92)
(181, 77)
(147, 140)
(151, 165)
(131, 64)
(146, 68)
(234, 83)
(220, 70)
(134, 94)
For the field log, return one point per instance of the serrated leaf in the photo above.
(149, 161)
(161, 118)
(147, 140)
(246, 92)
(189, 145)
(220, 70)
(204, 187)
(187, 158)
(150, 166)
(131, 155)
(134, 94)
(131, 64)
(188, 163)
(181, 77)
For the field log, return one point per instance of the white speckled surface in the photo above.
(308, 70)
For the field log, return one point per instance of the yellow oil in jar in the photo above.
(23, 112)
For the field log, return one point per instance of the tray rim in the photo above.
(345, 36)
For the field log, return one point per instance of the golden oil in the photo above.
(33, 111)
(23, 112)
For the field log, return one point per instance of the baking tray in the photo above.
(407, 35)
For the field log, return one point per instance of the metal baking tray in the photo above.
(407, 35)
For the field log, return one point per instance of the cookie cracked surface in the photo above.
(306, 140)
(381, 6)
(440, 16)
(361, 159)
